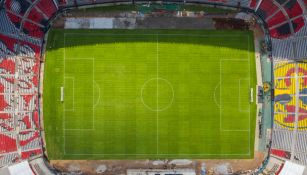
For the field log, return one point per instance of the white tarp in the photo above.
(21, 168)
(292, 169)
(89, 23)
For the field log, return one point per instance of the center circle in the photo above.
(157, 94)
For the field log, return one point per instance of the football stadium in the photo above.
(202, 87)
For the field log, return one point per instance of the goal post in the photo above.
(252, 95)
(62, 94)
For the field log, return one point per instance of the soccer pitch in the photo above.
(134, 94)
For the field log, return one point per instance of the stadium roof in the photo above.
(292, 169)
(19, 168)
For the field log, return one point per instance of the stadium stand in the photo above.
(37, 17)
(19, 68)
(290, 111)
(33, 30)
(10, 158)
(293, 8)
(19, 7)
(16, 20)
(267, 8)
(281, 153)
(7, 143)
(22, 29)
(7, 66)
(48, 7)
(31, 153)
(281, 17)
(276, 19)
(7, 45)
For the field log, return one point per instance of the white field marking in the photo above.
(239, 107)
(93, 115)
(64, 116)
(73, 93)
(235, 130)
(153, 34)
(64, 119)
(166, 107)
(93, 85)
(212, 35)
(86, 129)
(288, 77)
(221, 107)
(98, 88)
(249, 68)
(157, 100)
(243, 154)
(214, 96)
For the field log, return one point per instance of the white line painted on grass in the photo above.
(64, 107)
(221, 103)
(73, 93)
(98, 89)
(64, 118)
(243, 154)
(239, 107)
(214, 95)
(157, 91)
(154, 34)
(157, 59)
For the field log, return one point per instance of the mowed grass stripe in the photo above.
(123, 126)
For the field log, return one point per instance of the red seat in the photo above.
(281, 153)
(5, 116)
(276, 19)
(33, 30)
(17, 6)
(8, 65)
(14, 19)
(47, 7)
(1, 89)
(36, 119)
(7, 144)
(36, 16)
(27, 122)
(6, 126)
(36, 49)
(3, 103)
(12, 43)
(293, 9)
(28, 154)
(268, 7)
(281, 32)
(30, 139)
(253, 4)
(35, 68)
(35, 80)
(298, 23)
(9, 42)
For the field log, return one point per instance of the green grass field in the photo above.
(132, 94)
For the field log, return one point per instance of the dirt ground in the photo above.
(119, 167)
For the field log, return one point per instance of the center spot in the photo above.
(157, 94)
